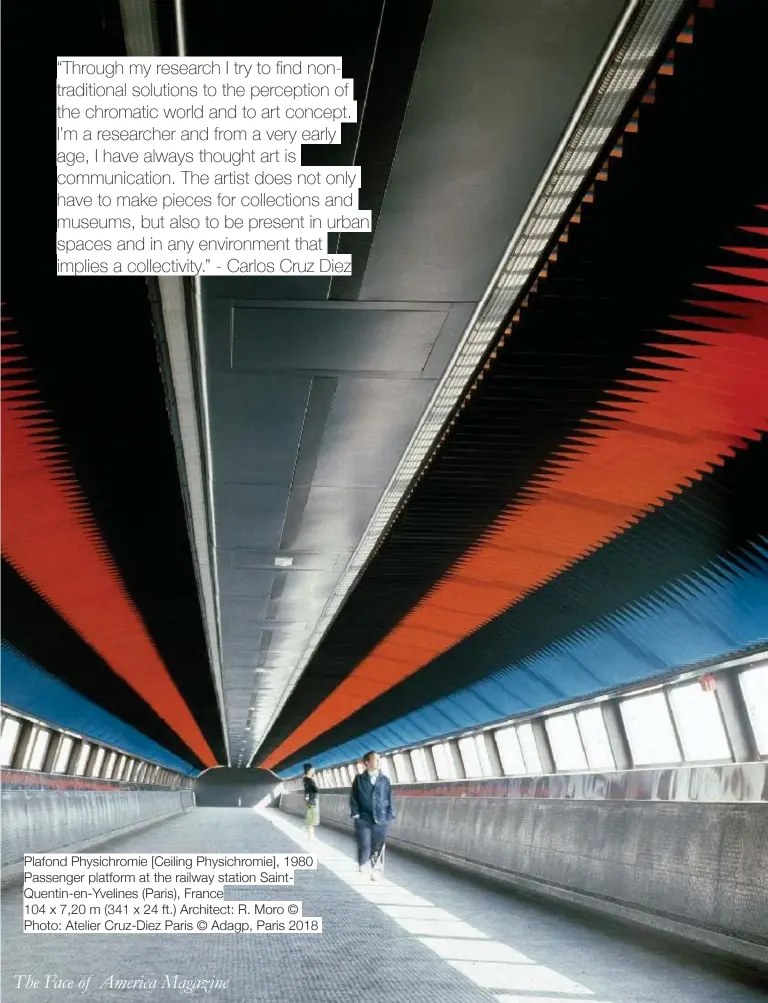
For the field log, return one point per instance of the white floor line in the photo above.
(496, 967)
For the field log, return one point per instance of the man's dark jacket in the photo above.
(372, 802)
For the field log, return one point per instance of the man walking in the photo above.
(370, 805)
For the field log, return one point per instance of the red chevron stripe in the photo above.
(51, 538)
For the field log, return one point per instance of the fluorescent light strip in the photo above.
(602, 103)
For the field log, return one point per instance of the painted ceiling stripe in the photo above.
(52, 540)
(658, 431)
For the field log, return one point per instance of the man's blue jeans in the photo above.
(370, 840)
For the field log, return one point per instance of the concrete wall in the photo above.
(39, 820)
(697, 869)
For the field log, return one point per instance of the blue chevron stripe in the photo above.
(711, 614)
(29, 689)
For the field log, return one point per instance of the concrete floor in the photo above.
(421, 934)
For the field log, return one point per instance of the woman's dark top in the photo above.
(310, 791)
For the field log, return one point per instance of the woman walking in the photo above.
(311, 793)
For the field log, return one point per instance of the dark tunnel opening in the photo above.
(236, 787)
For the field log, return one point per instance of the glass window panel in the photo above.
(482, 754)
(385, 766)
(11, 729)
(529, 747)
(420, 768)
(754, 686)
(594, 735)
(699, 723)
(510, 753)
(62, 754)
(110, 765)
(121, 765)
(444, 764)
(649, 729)
(565, 741)
(404, 773)
(352, 772)
(38, 750)
(469, 757)
(82, 759)
(96, 768)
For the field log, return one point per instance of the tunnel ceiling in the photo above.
(598, 482)
(592, 516)
(315, 386)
